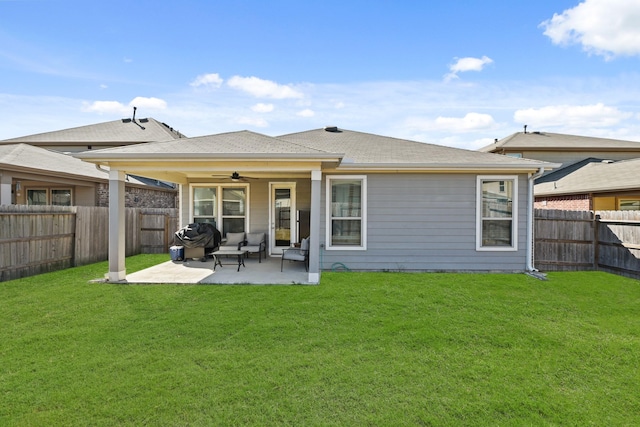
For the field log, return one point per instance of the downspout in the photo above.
(530, 220)
(101, 169)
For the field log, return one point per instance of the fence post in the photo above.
(167, 231)
(596, 242)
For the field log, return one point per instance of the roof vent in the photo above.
(607, 161)
(333, 129)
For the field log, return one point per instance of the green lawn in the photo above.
(360, 349)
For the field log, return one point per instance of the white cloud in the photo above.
(212, 80)
(116, 107)
(105, 107)
(148, 103)
(306, 113)
(253, 121)
(263, 108)
(263, 88)
(595, 115)
(104, 86)
(602, 27)
(471, 122)
(339, 105)
(467, 64)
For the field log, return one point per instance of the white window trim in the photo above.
(49, 194)
(218, 214)
(514, 219)
(363, 209)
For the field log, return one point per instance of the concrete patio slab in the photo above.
(197, 272)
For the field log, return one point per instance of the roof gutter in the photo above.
(530, 220)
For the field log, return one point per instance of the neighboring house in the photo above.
(36, 176)
(46, 174)
(116, 133)
(591, 184)
(596, 173)
(563, 149)
(374, 202)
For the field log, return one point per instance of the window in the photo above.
(36, 197)
(629, 205)
(61, 197)
(233, 210)
(346, 212)
(228, 214)
(54, 196)
(204, 205)
(497, 213)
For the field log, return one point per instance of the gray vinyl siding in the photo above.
(425, 222)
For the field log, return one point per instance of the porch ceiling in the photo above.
(184, 172)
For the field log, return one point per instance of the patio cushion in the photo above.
(304, 245)
(234, 238)
(293, 255)
(254, 239)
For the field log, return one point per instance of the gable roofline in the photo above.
(115, 132)
(366, 151)
(591, 175)
(547, 141)
(239, 145)
(339, 149)
(26, 158)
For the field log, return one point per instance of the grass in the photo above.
(360, 349)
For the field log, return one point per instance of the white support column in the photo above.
(314, 227)
(117, 270)
(5, 189)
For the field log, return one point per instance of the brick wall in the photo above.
(136, 197)
(578, 202)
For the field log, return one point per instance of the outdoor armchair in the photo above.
(297, 254)
(234, 241)
(256, 243)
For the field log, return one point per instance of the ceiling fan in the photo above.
(235, 177)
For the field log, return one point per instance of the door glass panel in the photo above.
(282, 216)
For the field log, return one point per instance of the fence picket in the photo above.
(585, 240)
(38, 239)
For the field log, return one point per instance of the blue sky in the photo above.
(452, 73)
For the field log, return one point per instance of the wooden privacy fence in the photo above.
(586, 240)
(38, 239)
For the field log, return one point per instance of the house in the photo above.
(561, 148)
(37, 169)
(374, 202)
(36, 176)
(595, 173)
(591, 184)
(115, 133)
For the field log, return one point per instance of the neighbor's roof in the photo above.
(242, 144)
(117, 132)
(546, 141)
(362, 150)
(591, 175)
(30, 159)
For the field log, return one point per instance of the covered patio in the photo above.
(238, 182)
(194, 271)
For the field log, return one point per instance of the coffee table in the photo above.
(217, 255)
